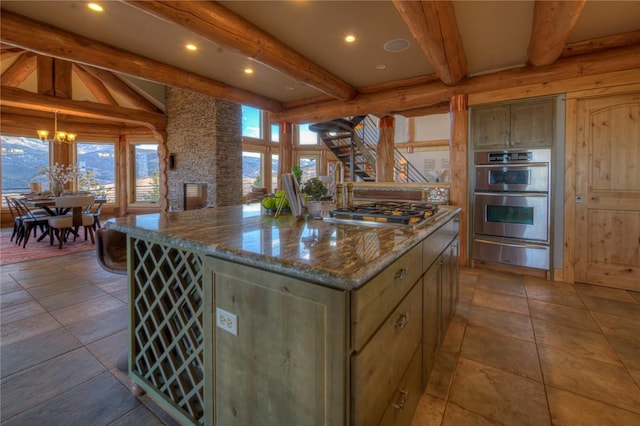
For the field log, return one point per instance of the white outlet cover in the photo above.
(227, 321)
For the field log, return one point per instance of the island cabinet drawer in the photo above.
(435, 244)
(405, 399)
(378, 369)
(373, 302)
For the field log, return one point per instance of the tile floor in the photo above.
(520, 351)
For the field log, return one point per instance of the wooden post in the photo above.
(286, 150)
(458, 166)
(384, 157)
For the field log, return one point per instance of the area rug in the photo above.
(11, 253)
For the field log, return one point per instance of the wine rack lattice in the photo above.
(168, 324)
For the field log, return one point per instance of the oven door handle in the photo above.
(514, 194)
(509, 244)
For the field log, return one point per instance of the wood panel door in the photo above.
(607, 190)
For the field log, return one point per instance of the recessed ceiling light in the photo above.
(289, 88)
(397, 45)
(350, 38)
(248, 70)
(191, 47)
(381, 66)
(95, 7)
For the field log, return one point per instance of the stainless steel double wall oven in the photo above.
(511, 207)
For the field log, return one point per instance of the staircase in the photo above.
(353, 141)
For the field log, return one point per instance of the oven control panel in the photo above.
(505, 157)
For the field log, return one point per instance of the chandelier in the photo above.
(58, 135)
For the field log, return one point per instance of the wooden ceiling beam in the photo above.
(433, 25)
(25, 122)
(16, 30)
(622, 59)
(19, 70)
(95, 86)
(601, 43)
(120, 87)
(7, 51)
(19, 98)
(224, 27)
(553, 21)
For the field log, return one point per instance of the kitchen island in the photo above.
(238, 317)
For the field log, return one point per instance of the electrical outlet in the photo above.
(227, 321)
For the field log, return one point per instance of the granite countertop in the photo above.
(337, 255)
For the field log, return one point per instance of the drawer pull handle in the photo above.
(402, 321)
(401, 400)
(401, 274)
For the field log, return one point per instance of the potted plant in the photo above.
(313, 191)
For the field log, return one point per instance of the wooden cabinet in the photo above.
(440, 295)
(523, 123)
(275, 340)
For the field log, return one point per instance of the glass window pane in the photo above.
(275, 159)
(147, 178)
(97, 164)
(21, 158)
(251, 122)
(307, 137)
(251, 171)
(275, 133)
(308, 164)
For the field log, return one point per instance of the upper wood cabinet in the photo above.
(514, 124)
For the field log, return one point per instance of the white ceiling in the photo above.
(495, 36)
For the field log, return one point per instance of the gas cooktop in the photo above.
(385, 212)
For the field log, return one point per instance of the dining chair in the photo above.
(62, 225)
(17, 219)
(28, 221)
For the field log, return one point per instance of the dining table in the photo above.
(49, 205)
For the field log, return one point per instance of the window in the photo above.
(306, 136)
(21, 158)
(97, 164)
(251, 122)
(275, 159)
(251, 171)
(146, 182)
(308, 165)
(275, 133)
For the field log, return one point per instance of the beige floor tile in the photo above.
(8, 285)
(552, 285)
(604, 292)
(503, 352)
(619, 326)
(55, 288)
(499, 395)
(570, 409)
(577, 341)
(628, 351)
(68, 298)
(502, 322)
(15, 297)
(9, 292)
(454, 335)
(26, 328)
(512, 287)
(440, 380)
(430, 411)
(566, 315)
(503, 302)
(21, 311)
(590, 378)
(457, 416)
(60, 374)
(85, 310)
(611, 306)
(550, 294)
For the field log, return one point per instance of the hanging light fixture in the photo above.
(58, 135)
